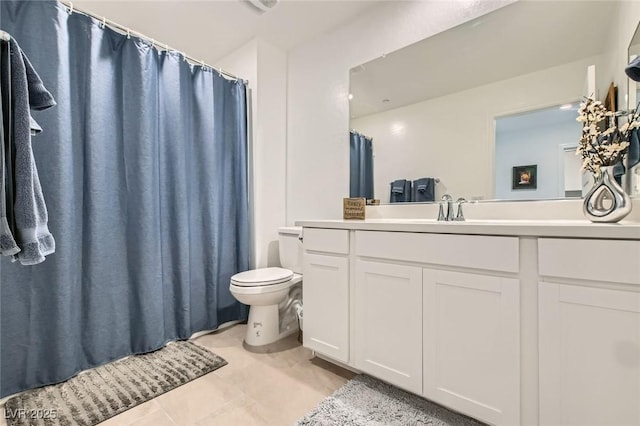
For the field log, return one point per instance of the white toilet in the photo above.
(273, 294)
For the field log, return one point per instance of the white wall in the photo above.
(452, 137)
(271, 151)
(318, 108)
(265, 67)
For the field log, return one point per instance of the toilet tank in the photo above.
(290, 248)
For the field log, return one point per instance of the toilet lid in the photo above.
(260, 277)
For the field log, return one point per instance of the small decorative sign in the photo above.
(353, 208)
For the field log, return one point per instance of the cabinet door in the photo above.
(589, 355)
(325, 297)
(388, 323)
(471, 344)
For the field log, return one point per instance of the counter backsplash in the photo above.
(507, 210)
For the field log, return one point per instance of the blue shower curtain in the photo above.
(361, 165)
(143, 164)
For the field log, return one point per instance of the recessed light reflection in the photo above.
(566, 107)
(398, 128)
(350, 96)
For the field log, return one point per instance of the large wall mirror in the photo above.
(486, 110)
(633, 97)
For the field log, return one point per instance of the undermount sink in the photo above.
(390, 220)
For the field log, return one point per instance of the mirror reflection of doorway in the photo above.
(537, 137)
(571, 164)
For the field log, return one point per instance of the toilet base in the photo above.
(263, 326)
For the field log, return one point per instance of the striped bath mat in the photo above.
(103, 392)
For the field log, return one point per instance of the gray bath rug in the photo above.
(100, 393)
(367, 401)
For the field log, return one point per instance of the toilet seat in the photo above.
(261, 277)
(262, 289)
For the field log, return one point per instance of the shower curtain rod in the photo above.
(360, 133)
(154, 43)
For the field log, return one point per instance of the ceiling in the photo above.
(210, 29)
(540, 118)
(517, 39)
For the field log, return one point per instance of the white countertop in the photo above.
(535, 228)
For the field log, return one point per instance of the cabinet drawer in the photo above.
(326, 240)
(467, 251)
(597, 260)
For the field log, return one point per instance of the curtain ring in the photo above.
(153, 43)
(166, 47)
(104, 22)
(128, 33)
(70, 11)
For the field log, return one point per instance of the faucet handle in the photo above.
(460, 215)
(441, 215)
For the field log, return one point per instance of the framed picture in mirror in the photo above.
(525, 177)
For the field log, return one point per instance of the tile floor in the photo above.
(273, 388)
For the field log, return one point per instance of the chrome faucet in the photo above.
(441, 215)
(460, 216)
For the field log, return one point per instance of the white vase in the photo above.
(606, 201)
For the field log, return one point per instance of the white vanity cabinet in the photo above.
(388, 323)
(534, 326)
(443, 332)
(326, 292)
(589, 332)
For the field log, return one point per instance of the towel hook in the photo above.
(70, 11)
